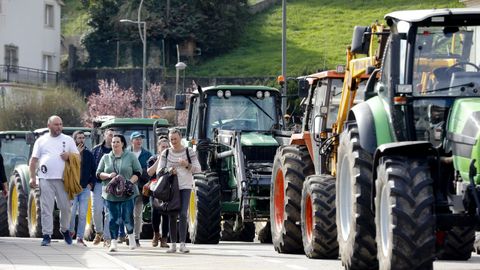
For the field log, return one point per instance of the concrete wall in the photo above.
(22, 25)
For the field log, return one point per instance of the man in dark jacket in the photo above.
(136, 141)
(87, 181)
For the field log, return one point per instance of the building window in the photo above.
(49, 16)
(11, 57)
(47, 62)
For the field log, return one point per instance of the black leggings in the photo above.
(156, 217)
(184, 203)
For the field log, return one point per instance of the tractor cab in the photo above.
(15, 148)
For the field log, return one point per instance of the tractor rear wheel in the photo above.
(246, 234)
(3, 217)
(404, 213)
(319, 230)
(355, 223)
(458, 244)
(205, 210)
(17, 207)
(34, 214)
(291, 165)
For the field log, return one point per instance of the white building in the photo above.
(29, 37)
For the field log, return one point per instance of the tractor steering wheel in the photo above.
(451, 68)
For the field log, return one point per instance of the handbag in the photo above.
(162, 188)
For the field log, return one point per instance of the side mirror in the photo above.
(361, 39)
(370, 86)
(180, 102)
(303, 87)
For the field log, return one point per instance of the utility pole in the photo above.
(284, 54)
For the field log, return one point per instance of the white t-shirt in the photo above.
(48, 149)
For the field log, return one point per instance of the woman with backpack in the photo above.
(184, 163)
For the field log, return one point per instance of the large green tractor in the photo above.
(151, 128)
(407, 189)
(233, 129)
(15, 151)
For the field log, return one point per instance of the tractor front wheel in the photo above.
(205, 210)
(458, 244)
(17, 207)
(404, 214)
(34, 214)
(319, 230)
(290, 167)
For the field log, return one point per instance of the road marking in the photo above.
(296, 267)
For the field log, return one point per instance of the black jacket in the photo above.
(88, 169)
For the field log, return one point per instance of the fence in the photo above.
(26, 75)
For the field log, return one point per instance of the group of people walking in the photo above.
(113, 175)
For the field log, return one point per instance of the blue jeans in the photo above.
(120, 211)
(81, 202)
(98, 205)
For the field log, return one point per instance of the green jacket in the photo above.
(125, 166)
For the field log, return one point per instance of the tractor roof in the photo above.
(330, 74)
(134, 122)
(425, 14)
(66, 130)
(236, 88)
(13, 133)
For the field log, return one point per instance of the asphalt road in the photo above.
(239, 256)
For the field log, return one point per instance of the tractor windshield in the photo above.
(14, 152)
(246, 113)
(446, 61)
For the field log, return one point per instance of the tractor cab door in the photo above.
(326, 102)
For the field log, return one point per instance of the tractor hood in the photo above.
(258, 139)
(462, 135)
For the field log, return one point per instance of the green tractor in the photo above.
(23, 203)
(15, 151)
(407, 180)
(151, 128)
(234, 130)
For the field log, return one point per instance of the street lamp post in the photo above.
(179, 66)
(144, 41)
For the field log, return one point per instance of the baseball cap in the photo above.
(136, 134)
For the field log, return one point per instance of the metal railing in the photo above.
(17, 74)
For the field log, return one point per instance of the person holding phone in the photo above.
(87, 181)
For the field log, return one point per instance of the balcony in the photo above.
(24, 75)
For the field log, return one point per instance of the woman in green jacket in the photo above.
(119, 162)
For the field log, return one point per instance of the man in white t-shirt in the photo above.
(50, 152)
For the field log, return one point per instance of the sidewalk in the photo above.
(26, 253)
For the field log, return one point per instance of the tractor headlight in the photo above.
(259, 94)
(266, 94)
(220, 93)
(228, 93)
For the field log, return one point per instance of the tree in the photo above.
(111, 100)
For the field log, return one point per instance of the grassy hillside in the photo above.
(318, 31)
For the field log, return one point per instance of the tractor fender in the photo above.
(406, 148)
(363, 116)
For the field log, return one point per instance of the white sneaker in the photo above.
(172, 249)
(183, 248)
(131, 241)
(113, 245)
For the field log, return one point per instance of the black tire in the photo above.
(17, 207)
(265, 234)
(290, 167)
(227, 233)
(319, 230)
(3, 217)
(458, 244)
(57, 234)
(34, 214)
(147, 231)
(405, 223)
(205, 210)
(355, 223)
(246, 234)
